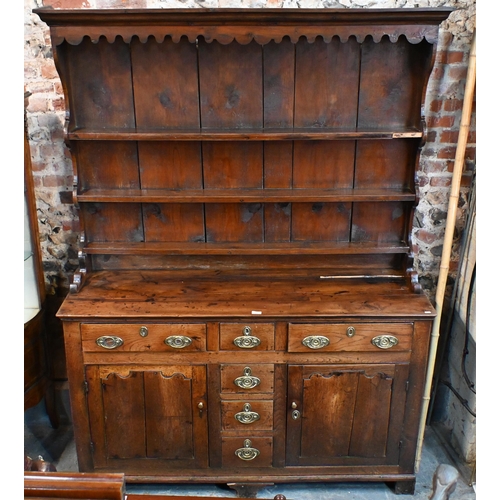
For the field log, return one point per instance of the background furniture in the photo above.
(246, 309)
(37, 381)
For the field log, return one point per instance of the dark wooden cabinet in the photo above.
(139, 413)
(345, 412)
(246, 303)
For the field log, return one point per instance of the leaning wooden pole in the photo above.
(448, 238)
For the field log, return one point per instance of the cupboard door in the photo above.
(345, 414)
(138, 415)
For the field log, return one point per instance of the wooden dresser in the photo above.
(246, 309)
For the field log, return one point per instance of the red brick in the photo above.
(56, 180)
(437, 166)
(450, 57)
(38, 166)
(37, 104)
(58, 88)
(447, 152)
(426, 236)
(67, 4)
(437, 73)
(49, 151)
(457, 73)
(59, 104)
(440, 181)
(431, 136)
(435, 105)
(441, 121)
(116, 4)
(453, 104)
(423, 181)
(470, 153)
(449, 136)
(49, 70)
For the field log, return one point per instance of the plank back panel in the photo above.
(321, 222)
(392, 80)
(380, 222)
(230, 85)
(323, 164)
(107, 164)
(165, 84)
(279, 84)
(170, 165)
(243, 222)
(108, 222)
(385, 164)
(232, 165)
(174, 222)
(101, 81)
(326, 86)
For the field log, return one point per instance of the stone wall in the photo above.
(53, 175)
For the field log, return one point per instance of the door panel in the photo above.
(137, 415)
(345, 414)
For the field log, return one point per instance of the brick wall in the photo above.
(53, 175)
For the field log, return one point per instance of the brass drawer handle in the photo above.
(385, 341)
(178, 341)
(247, 381)
(247, 416)
(246, 341)
(109, 341)
(316, 341)
(247, 452)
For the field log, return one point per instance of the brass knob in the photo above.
(143, 331)
(294, 405)
(200, 405)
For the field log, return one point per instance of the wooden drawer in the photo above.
(263, 457)
(247, 379)
(349, 337)
(246, 336)
(144, 337)
(247, 415)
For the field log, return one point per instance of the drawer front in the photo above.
(247, 451)
(247, 416)
(246, 336)
(247, 379)
(349, 337)
(143, 337)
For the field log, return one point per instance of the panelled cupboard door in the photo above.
(141, 415)
(345, 414)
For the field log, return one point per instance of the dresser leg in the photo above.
(248, 490)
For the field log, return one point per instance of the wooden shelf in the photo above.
(189, 248)
(263, 134)
(242, 195)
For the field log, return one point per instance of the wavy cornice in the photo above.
(242, 25)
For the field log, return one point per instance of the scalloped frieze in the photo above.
(244, 34)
